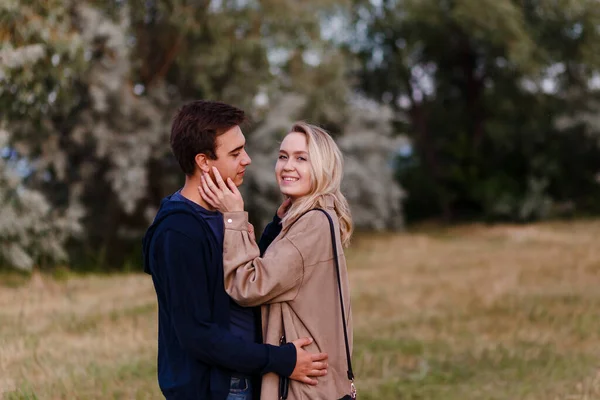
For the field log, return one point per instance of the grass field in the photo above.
(508, 312)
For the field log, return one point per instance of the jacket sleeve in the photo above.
(252, 280)
(189, 306)
(272, 230)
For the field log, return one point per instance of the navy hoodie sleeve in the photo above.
(189, 302)
(271, 231)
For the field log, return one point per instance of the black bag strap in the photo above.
(337, 268)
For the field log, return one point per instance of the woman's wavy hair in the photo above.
(327, 165)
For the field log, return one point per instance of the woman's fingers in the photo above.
(233, 188)
(219, 179)
(207, 194)
(224, 200)
(210, 184)
(204, 196)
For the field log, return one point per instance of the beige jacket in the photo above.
(296, 284)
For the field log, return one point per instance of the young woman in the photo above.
(295, 280)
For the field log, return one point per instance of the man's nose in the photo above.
(247, 160)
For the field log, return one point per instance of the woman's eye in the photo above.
(301, 158)
(282, 157)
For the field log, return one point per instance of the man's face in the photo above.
(232, 158)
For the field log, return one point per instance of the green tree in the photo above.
(479, 86)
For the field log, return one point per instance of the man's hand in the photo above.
(284, 207)
(221, 196)
(308, 365)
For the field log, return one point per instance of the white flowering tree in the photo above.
(32, 231)
(87, 93)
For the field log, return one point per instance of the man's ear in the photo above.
(202, 162)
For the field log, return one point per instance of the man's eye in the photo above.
(236, 154)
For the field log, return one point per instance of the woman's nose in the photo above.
(288, 166)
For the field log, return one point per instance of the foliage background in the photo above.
(471, 126)
(446, 110)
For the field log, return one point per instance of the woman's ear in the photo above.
(202, 162)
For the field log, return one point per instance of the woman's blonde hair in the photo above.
(326, 164)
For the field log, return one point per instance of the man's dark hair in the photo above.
(195, 129)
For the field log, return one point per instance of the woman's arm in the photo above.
(251, 280)
(277, 276)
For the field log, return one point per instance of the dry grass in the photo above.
(508, 312)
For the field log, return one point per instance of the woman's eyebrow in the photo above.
(294, 152)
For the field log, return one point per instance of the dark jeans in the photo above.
(240, 388)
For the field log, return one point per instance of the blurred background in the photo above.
(471, 133)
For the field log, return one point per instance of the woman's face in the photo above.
(293, 166)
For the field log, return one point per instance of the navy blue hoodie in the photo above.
(196, 351)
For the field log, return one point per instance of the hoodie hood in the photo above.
(168, 207)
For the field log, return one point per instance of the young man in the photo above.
(208, 346)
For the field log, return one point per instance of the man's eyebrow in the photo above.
(239, 148)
